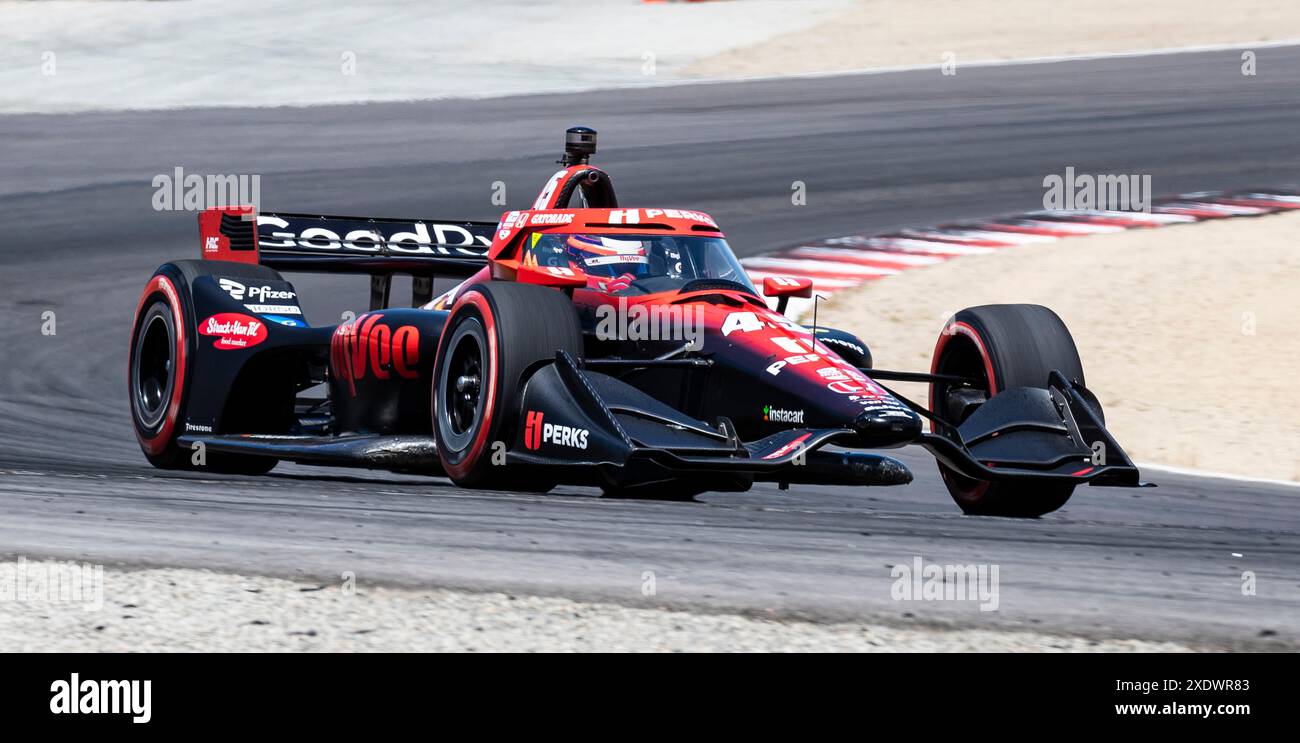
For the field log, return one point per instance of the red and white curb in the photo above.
(840, 263)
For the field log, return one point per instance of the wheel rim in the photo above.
(154, 364)
(460, 386)
(960, 357)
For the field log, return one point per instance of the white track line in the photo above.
(818, 283)
(798, 265)
(993, 234)
(1111, 214)
(1267, 197)
(1074, 228)
(1236, 211)
(848, 255)
(1189, 472)
(910, 245)
(938, 66)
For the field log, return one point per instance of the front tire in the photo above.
(498, 333)
(1001, 346)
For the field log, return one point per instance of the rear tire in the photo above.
(159, 362)
(156, 374)
(498, 333)
(1001, 346)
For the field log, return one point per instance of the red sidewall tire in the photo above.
(968, 492)
(477, 391)
(1009, 346)
(159, 444)
(461, 464)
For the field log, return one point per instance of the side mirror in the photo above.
(784, 287)
(560, 277)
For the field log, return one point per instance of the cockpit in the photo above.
(630, 265)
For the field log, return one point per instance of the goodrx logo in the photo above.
(95, 697)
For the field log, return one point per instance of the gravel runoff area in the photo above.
(199, 611)
(77, 55)
(1187, 333)
(895, 33)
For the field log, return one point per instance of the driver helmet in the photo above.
(607, 256)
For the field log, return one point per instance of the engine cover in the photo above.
(381, 370)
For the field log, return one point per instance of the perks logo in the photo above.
(533, 431)
(536, 433)
(366, 347)
(233, 331)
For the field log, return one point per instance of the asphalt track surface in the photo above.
(79, 237)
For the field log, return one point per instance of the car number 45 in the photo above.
(746, 322)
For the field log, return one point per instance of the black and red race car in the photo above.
(621, 347)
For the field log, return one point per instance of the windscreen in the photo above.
(627, 265)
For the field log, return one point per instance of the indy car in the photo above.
(529, 372)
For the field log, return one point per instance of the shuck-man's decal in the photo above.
(233, 331)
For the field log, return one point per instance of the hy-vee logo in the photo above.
(538, 432)
(366, 347)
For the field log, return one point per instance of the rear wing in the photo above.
(423, 249)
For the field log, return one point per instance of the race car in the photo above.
(597, 344)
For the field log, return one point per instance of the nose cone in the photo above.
(891, 427)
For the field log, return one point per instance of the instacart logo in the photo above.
(778, 415)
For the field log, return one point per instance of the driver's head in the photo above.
(607, 256)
